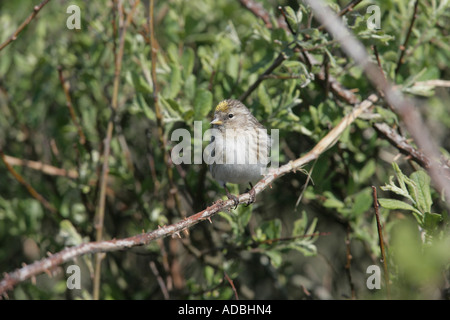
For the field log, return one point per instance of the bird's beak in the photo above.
(217, 122)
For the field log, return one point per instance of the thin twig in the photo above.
(272, 241)
(173, 192)
(232, 285)
(258, 10)
(45, 168)
(337, 88)
(29, 188)
(13, 37)
(377, 56)
(70, 106)
(432, 83)
(402, 145)
(278, 61)
(348, 265)
(349, 7)
(27, 272)
(380, 236)
(160, 280)
(308, 178)
(408, 34)
(283, 13)
(100, 212)
(403, 106)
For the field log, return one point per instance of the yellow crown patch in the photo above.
(222, 106)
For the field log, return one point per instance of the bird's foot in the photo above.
(252, 194)
(232, 197)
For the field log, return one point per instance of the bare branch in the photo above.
(160, 280)
(70, 106)
(349, 7)
(232, 285)
(45, 168)
(348, 265)
(100, 213)
(159, 116)
(13, 37)
(29, 188)
(338, 89)
(258, 10)
(403, 106)
(277, 62)
(27, 272)
(405, 43)
(401, 144)
(382, 248)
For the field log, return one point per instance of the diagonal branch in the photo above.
(408, 34)
(347, 8)
(44, 168)
(403, 106)
(173, 194)
(29, 188)
(337, 88)
(100, 213)
(13, 37)
(382, 247)
(278, 61)
(13, 278)
(70, 106)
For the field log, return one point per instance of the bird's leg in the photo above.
(252, 194)
(231, 196)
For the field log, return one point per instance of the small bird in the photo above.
(241, 147)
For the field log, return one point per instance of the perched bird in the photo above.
(241, 147)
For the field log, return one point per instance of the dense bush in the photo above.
(319, 247)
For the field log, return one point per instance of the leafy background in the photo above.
(319, 248)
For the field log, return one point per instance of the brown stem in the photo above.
(29, 188)
(380, 236)
(70, 106)
(348, 264)
(100, 212)
(27, 272)
(44, 168)
(279, 59)
(403, 106)
(408, 34)
(13, 37)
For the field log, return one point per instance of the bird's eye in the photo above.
(230, 115)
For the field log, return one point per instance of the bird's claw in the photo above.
(251, 191)
(234, 198)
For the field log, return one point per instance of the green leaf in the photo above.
(292, 17)
(431, 220)
(264, 99)
(275, 257)
(367, 171)
(174, 84)
(202, 104)
(244, 215)
(403, 181)
(187, 61)
(423, 194)
(307, 248)
(393, 204)
(68, 232)
(312, 226)
(300, 225)
(363, 202)
(332, 201)
(272, 228)
(208, 274)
